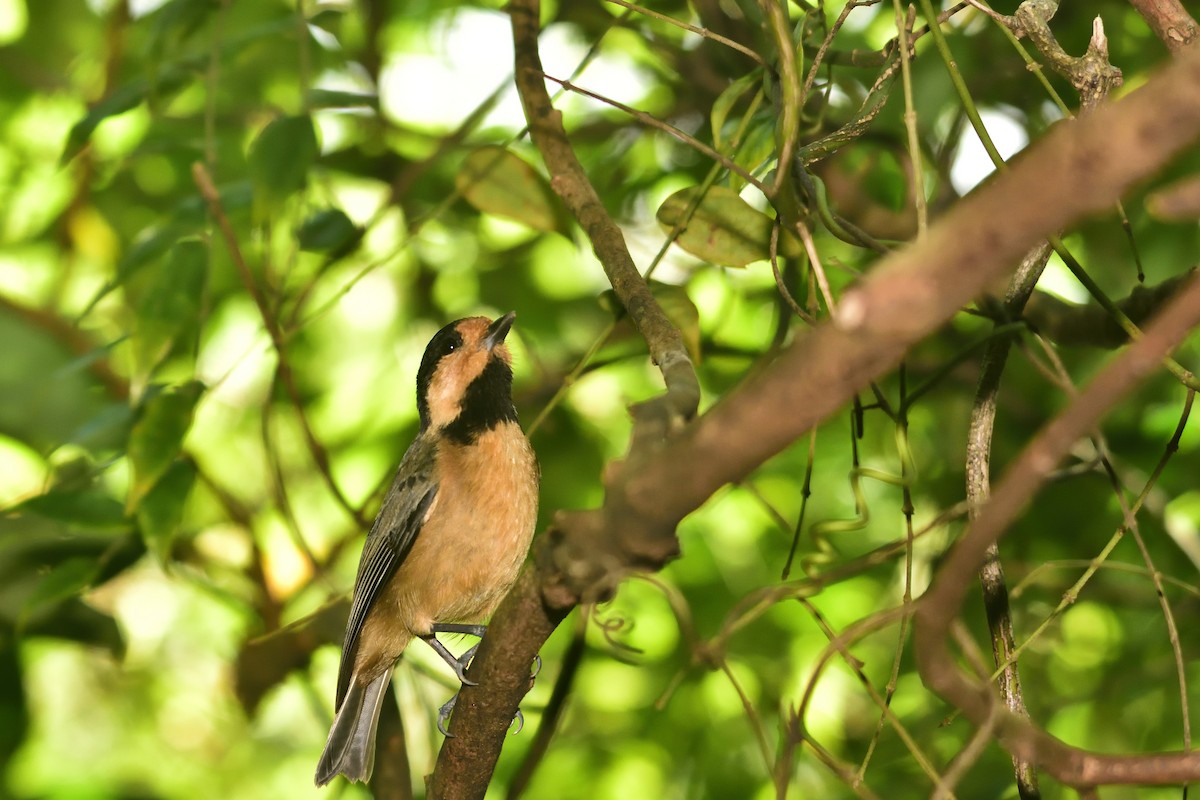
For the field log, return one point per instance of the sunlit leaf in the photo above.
(171, 303)
(496, 181)
(328, 231)
(281, 157)
(724, 229)
(161, 510)
(120, 100)
(157, 436)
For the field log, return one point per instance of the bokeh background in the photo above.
(202, 402)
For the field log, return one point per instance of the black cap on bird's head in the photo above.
(464, 384)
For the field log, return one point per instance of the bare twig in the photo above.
(696, 29)
(978, 472)
(651, 121)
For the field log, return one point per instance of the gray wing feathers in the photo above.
(391, 538)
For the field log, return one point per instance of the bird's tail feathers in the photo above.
(350, 749)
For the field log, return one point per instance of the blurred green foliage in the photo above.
(199, 411)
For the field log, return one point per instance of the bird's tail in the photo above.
(351, 746)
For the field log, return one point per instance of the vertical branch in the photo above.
(978, 469)
(904, 25)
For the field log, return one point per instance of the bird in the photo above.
(450, 536)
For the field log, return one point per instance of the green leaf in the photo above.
(682, 312)
(328, 231)
(496, 181)
(90, 509)
(176, 21)
(281, 157)
(120, 100)
(161, 510)
(725, 101)
(157, 436)
(332, 98)
(64, 580)
(148, 248)
(171, 304)
(724, 229)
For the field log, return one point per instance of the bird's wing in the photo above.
(391, 538)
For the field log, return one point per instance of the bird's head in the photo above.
(464, 384)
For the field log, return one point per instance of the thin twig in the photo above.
(650, 121)
(703, 32)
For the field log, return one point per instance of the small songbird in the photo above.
(450, 537)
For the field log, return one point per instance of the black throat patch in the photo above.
(486, 404)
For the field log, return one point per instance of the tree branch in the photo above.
(978, 472)
(1081, 167)
(570, 182)
(1170, 22)
(941, 604)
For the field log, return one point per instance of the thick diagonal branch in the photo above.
(1082, 167)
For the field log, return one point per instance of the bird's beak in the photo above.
(498, 330)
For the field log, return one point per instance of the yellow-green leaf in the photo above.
(170, 307)
(498, 182)
(157, 436)
(724, 229)
(161, 510)
(281, 157)
(682, 312)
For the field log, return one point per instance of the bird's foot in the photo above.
(448, 707)
(456, 663)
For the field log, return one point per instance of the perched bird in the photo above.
(450, 537)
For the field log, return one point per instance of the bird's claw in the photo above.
(463, 662)
(448, 708)
(444, 715)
